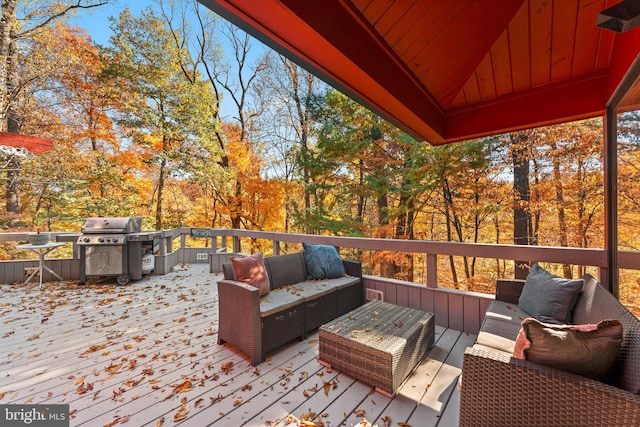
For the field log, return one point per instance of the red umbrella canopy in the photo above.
(33, 144)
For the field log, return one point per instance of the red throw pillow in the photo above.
(250, 270)
(587, 350)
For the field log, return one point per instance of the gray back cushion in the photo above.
(284, 270)
(549, 298)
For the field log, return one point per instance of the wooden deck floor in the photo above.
(145, 354)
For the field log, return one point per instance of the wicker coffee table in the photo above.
(378, 343)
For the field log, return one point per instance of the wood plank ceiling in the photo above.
(451, 70)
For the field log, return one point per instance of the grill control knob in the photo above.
(115, 240)
(100, 239)
(86, 240)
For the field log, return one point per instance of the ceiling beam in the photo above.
(562, 102)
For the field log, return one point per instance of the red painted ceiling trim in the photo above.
(626, 49)
(414, 111)
(562, 102)
(334, 41)
(33, 144)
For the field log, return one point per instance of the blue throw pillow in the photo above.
(323, 262)
(549, 298)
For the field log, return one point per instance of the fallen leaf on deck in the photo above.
(386, 420)
(183, 387)
(182, 411)
(160, 422)
(112, 369)
(327, 387)
(34, 337)
(226, 367)
(80, 381)
(83, 388)
(133, 383)
(216, 399)
(94, 348)
(124, 419)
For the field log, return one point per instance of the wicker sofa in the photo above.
(294, 306)
(500, 390)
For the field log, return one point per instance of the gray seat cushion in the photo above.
(279, 300)
(501, 326)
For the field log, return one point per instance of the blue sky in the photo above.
(96, 21)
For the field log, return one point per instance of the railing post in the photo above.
(236, 244)
(432, 271)
(169, 243)
(224, 243)
(276, 247)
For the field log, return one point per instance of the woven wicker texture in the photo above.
(378, 343)
(498, 390)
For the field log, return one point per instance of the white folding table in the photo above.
(42, 251)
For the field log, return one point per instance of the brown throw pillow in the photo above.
(587, 350)
(250, 270)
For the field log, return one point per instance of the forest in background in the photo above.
(137, 131)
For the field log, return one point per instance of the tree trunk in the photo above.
(13, 125)
(159, 201)
(562, 222)
(387, 268)
(7, 29)
(446, 195)
(521, 197)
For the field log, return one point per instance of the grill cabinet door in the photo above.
(103, 260)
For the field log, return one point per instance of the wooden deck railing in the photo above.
(457, 309)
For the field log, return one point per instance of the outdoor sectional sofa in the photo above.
(498, 389)
(292, 305)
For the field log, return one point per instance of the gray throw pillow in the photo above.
(323, 262)
(549, 298)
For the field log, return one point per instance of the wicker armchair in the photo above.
(498, 390)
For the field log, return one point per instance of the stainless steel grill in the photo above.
(108, 248)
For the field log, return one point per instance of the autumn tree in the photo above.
(19, 22)
(167, 116)
(71, 108)
(288, 126)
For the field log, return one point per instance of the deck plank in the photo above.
(147, 353)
